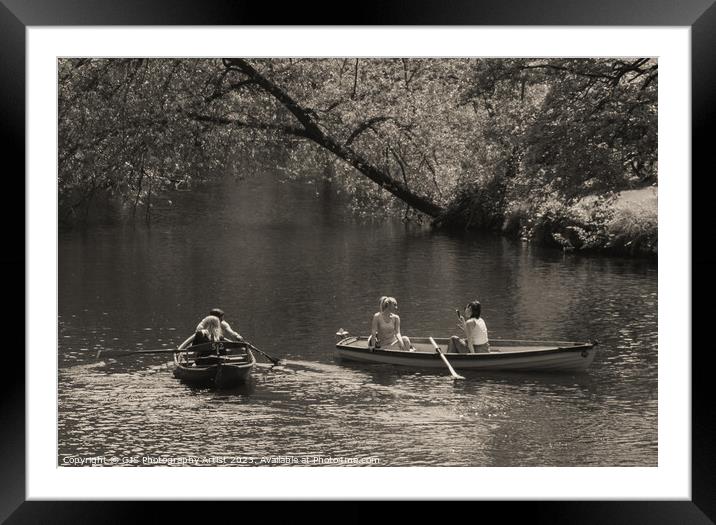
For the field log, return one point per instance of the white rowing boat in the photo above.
(543, 356)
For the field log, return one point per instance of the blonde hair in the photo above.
(385, 301)
(212, 325)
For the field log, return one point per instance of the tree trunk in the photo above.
(313, 132)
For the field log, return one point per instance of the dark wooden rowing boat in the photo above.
(543, 356)
(229, 365)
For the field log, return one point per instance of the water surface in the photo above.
(290, 266)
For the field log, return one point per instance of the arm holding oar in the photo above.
(187, 342)
(272, 359)
(447, 363)
(228, 332)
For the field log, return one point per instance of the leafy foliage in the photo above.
(509, 144)
(574, 127)
(134, 127)
(559, 131)
(123, 130)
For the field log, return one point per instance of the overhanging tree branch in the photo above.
(364, 126)
(313, 132)
(264, 126)
(218, 93)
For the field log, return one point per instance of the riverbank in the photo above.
(623, 225)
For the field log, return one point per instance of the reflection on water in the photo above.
(290, 266)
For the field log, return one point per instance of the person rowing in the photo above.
(225, 326)
(208, 331)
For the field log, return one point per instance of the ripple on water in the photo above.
(481, 421)
(311, 406)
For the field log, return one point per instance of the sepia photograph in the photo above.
(357, 261)
(409, 254)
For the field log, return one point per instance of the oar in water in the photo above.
(196, 348)
(124, 353)
(440, 353)
(272, 359)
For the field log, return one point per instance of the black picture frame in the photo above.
(699, 15)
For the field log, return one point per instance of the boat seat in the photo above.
(213, 359)
(208, 360)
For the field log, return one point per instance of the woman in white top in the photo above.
(475, 332)
(385, 327)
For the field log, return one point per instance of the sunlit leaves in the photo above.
(577, 126)
(122, 129)
(486, 132)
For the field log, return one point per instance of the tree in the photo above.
(463, 141)
(134, 127)
(576, 126)
(123, 131)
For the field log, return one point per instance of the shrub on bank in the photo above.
(577, 227)
(476, 207)
(594, 224)
(603, 223)
(634, 231)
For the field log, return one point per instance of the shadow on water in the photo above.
(246, 388)
(384, 374)
(388, 372)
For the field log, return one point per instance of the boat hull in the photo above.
(225, 372)
(543, 356)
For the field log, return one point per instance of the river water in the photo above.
(290, 266)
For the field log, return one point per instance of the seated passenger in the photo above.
(385, 327)
(475, 340)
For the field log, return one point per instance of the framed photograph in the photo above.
(385, 262)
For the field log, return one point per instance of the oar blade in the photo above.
(112, 353)
(274, 360)
(452, 370)
(445, 360)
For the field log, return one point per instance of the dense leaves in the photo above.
(558, 131)
(123, 131)
(132, 127)
(472, 142)
(575, 126)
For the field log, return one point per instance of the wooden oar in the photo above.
(272, 359)
(195, 348)
(124, 353)
(440, 353)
